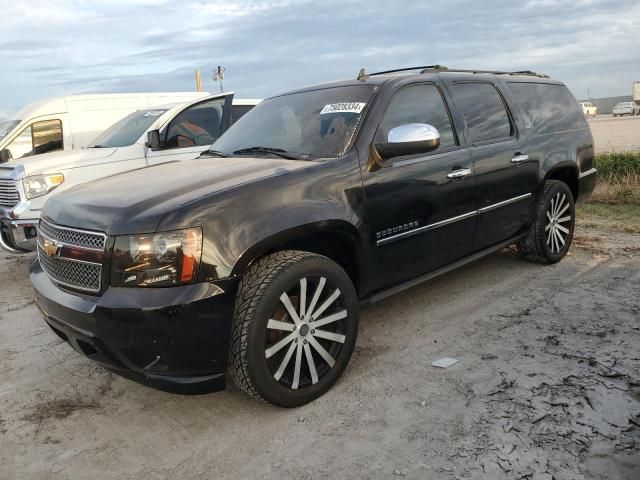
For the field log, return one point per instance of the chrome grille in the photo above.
(71, 273)
(9, 196)
(73, 237)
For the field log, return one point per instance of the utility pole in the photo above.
(218, 76)
(198, 81)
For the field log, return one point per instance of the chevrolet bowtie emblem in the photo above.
(52, 249)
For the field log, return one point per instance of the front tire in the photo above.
(294, 329)
(551, 232)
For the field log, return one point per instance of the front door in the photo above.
(193, 130)
(505, 175)
(420, 211)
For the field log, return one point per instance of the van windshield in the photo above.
(127, 131)
(6, 126)
(310, 124)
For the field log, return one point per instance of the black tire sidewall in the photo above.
(555, 188)
(268, 387)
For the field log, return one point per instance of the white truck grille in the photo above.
(9, 196)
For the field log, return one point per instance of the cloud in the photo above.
(55, 47)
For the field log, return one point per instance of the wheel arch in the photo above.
(336, 239)
(566, 172)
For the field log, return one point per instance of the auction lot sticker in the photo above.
(347, 107)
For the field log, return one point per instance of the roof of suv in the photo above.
(379, 78)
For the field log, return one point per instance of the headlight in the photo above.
(158, 259)
(39, 185)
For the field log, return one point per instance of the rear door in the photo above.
(420, 214)
(193, 130)
(506, 177)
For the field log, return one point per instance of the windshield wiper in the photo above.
(274, 151)
(99, 146)
(213, 153)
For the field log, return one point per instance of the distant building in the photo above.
(605, 105)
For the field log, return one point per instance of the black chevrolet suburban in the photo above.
(255, 258)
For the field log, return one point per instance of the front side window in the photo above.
(312, 124)
(37, 138)
(199, 125)
(418, 104)
(128, 130)
(484, 112)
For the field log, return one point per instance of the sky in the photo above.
(59, 47)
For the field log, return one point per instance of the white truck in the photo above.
(67, 123)
(145, 137)
(636, 92)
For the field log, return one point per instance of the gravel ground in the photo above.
(615, 134)
(548, 386)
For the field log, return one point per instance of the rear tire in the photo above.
(294, 328)
(551, 232)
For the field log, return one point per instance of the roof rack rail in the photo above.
(441, 68)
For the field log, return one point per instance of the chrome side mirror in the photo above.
(409, 139)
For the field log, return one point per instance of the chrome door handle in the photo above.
(462, 172)
(520, 159)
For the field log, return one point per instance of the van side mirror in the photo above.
(408, 139)
(5, 155)
(153, 140)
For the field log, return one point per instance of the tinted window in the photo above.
(313, 123)
(197, 126)
(238, 111)
(37, 138)
(418, 104)
(128, 130)
(484, 111)
(550, 108)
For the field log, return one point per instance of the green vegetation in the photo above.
(618, 178)
(620, 217)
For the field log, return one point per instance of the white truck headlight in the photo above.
(39, 185)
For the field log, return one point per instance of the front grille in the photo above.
(9, 196)
(73, 237)
(71, 273)
(76, 273)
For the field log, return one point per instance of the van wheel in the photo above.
(551, 232)
(294, 328)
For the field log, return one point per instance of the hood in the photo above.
(55, 161)
(136, 201)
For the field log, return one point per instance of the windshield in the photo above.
(310, 124)
(6, 126)
(127, 131)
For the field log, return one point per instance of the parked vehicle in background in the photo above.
(317, 201)
(67, 123)
(589, 109)
(145, 137)
(636, 92)
(626, 108)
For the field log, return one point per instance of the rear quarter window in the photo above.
(551, 108)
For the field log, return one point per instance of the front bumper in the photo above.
(18, 236)
(586, 184)
(174, 339)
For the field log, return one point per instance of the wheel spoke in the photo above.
(331, 318)
(303, 296)
(273, 349)
(334, 337)
(296, 371)
(278, 325)
(326, 304)
(323, 353)
(563, 229)
(549, 216)
(316, 295)
(286, 301)
(564, 209)
(311, 363)
(552, 207)
(555, 240)
(547, 227)
(560, 239)
(564, 219)
(285, 362)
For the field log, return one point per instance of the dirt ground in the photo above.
(548, 386)
(615, 134)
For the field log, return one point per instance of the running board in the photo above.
(381, 295)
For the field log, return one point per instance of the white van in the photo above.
(145, 137)
(67, 123)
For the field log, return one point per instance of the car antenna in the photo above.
(362, 74)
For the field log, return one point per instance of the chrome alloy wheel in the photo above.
(304, 338)
(558, 222)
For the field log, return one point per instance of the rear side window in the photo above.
(418, 104)
(238, 111)
(484, 112)
(551, 108)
